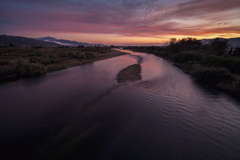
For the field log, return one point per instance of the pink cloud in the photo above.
(142, 19)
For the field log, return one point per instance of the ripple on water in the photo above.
(165, 115)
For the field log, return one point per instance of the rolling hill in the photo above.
(6, 40)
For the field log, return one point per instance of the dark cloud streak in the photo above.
(139, 18)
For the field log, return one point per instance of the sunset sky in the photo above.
(120, 22)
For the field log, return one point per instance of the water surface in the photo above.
(83, 113)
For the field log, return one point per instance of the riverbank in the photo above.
(83, 113)
(220, 72)
(27, 62)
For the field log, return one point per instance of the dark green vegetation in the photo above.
(215, 64)
(23, 62)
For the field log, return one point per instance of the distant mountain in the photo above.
(66, 42)
(234, 42)
(6, 40)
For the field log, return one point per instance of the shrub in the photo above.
(89, 55)
(73, 55)
(45, 60)
(184, 57)
(82, 56)
(29, 69)
(34, 69)
(34, 60)
(212, 75)
(62, 54)
(233, 64)
(54, 58)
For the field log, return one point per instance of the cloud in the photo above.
(196, 17)
(136, 18)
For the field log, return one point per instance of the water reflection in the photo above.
(84, 112)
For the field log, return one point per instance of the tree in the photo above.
(172, 41)
(218, 46)
(173, 46)
(185, 44)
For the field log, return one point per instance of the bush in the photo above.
(34, 60)
(233, 64)
(62, 54)
(73, 55)
(29, 69)
(89, 55)
(54, 58)
(212, 75)
(82, 56)
(45, 60)
(184, 57)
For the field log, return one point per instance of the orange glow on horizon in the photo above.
(110, 23)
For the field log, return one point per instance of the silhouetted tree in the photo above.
(189, 43)
(184, 44)
(218, 46)
(173, 46)
(172, 41)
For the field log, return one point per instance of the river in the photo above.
(84, 113)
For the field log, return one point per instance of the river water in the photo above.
(84, 113)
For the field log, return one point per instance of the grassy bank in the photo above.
(213, 64)
(25, 62)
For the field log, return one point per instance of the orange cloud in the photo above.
(140, 20)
